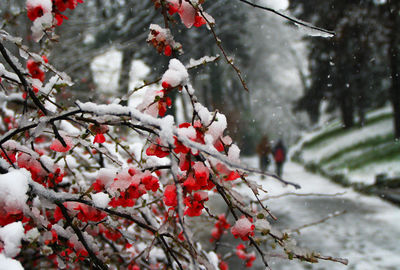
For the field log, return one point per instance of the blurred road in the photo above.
(368, 234)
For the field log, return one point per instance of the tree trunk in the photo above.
(393, 56)
(123, 82)
(347, 111)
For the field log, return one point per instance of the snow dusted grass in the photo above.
(358, 153)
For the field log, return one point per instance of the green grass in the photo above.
(340, 131)
(364, 145)
(370, 151)
(380, 153)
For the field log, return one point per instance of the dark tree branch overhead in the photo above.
(293, 20)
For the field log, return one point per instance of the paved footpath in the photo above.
(368, 234)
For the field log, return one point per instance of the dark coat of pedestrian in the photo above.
(279, 153)
(264, 151)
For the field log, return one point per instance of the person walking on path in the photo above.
(263, 151)
(279, 153)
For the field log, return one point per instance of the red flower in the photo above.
(166, 85)
(99, 138)
(199, 21)
(57, 146)
(36, 9)
(167, 50)
(243, 228)
(233, 175)
(156, 150)
(163, 104)
(223, 265)
(34, 70)
(219, 228)
(58, 214)
(60, 18)
(226, 174)
(62, 5)
(195, 204)
(219, 145)
(7, 217)
(88, 213)
(184, 162)
(190, 184)
(98, 185)
(242, 254)
(170, 196)
(201, 173)
(180, 147)
(150, 182)
(172, 9)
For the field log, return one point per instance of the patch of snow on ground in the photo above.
(367, 234)
(367, 174)
(379, 112)
(335, 144)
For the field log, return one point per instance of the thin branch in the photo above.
(8, 158)
(293, 20)
(303, 195)
(22, 79)
(333, 259)
(140, 87)
(81, 238)
(219, 44)
(336, 214)
(58, 136)
(257, 247)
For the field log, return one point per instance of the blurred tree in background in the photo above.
(357, 69)
(260, 45)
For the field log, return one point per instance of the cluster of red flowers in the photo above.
(62, 5)
(163, 103)
(137, 188)
(157, 150)
(184, 9)
(196, 178)
(243, 228)
(38, 173)
(160, 42)
(223, 265)
(34, 70)
(7, 216)
(83, 212)
(247, 257)
(80, 252)
(9, 122)
(37, 9)
(170, 194)
(220, 228)
(195, 203)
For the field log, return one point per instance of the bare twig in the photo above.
(329, 258)
(81, 238)
(336, 214)
(302, 195)
(293, 20)
(219, 44)
(27, 88)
